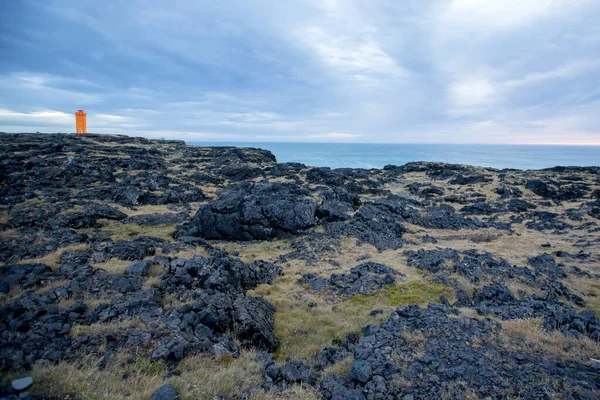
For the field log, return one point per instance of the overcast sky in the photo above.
(462, 71)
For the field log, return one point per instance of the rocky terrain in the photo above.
(138, 269)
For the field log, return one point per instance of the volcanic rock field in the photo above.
(149, 269)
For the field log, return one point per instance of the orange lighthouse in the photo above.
(80, 122)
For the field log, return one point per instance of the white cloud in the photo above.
(320, 70)
(43, 117)
(34, 86)
(357, 58)
(486, 14)
(567, 71)
(338, 135)
(469, 95)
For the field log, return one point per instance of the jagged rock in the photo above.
(325, 176)
(253, 323)
(254, 211)
(479, 208)
(446, 355)
(25, 275)
(429, 239)
(424, 190)
(143, 304)
(431, 260)
(365, 279)
(155, 219)
(518, 205)
(554, 190)
(499, 301)
(138, 268)
(545, 220)
(506, 192)
(297, 373)
(361, 371)
(469, 179)
(218, 273)
(373, 225)
(544, 263)
(332, 210)
(445, 217)
(126, 250)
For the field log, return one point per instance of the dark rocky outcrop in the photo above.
(365, 279)
(254, 211)
(457, 355)
(253, 323)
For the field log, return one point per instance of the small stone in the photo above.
(138, 268)
(165, 392)
(444, 300)
(22, 383)
(290, 373)
(4, 287)
(272, 371)
(361, 371)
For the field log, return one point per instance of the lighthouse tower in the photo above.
(80, 122)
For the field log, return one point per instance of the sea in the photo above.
(360, 155)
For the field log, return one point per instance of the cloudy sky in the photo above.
(461, 71)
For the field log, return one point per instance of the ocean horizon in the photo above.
(377, 155)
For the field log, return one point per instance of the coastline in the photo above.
(158, 260)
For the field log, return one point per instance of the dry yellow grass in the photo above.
(9, 233)
(91, 303)
(258, 250)
(341, 367)
(11, 297)
(120, 231)
(295, 392)
(52, 259)
(16, 292)
(187, 254)
(50, 286)
(461, 387)
(113, 266)
(129, 376)
(528, 335)
(154, 273)
(75, 209)
(110, 327)
(139, 210)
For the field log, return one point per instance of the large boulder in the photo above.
(254, 211)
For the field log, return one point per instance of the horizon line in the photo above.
(581, 144)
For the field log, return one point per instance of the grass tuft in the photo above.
(414, 292)
(52, 259)
(529, 336)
